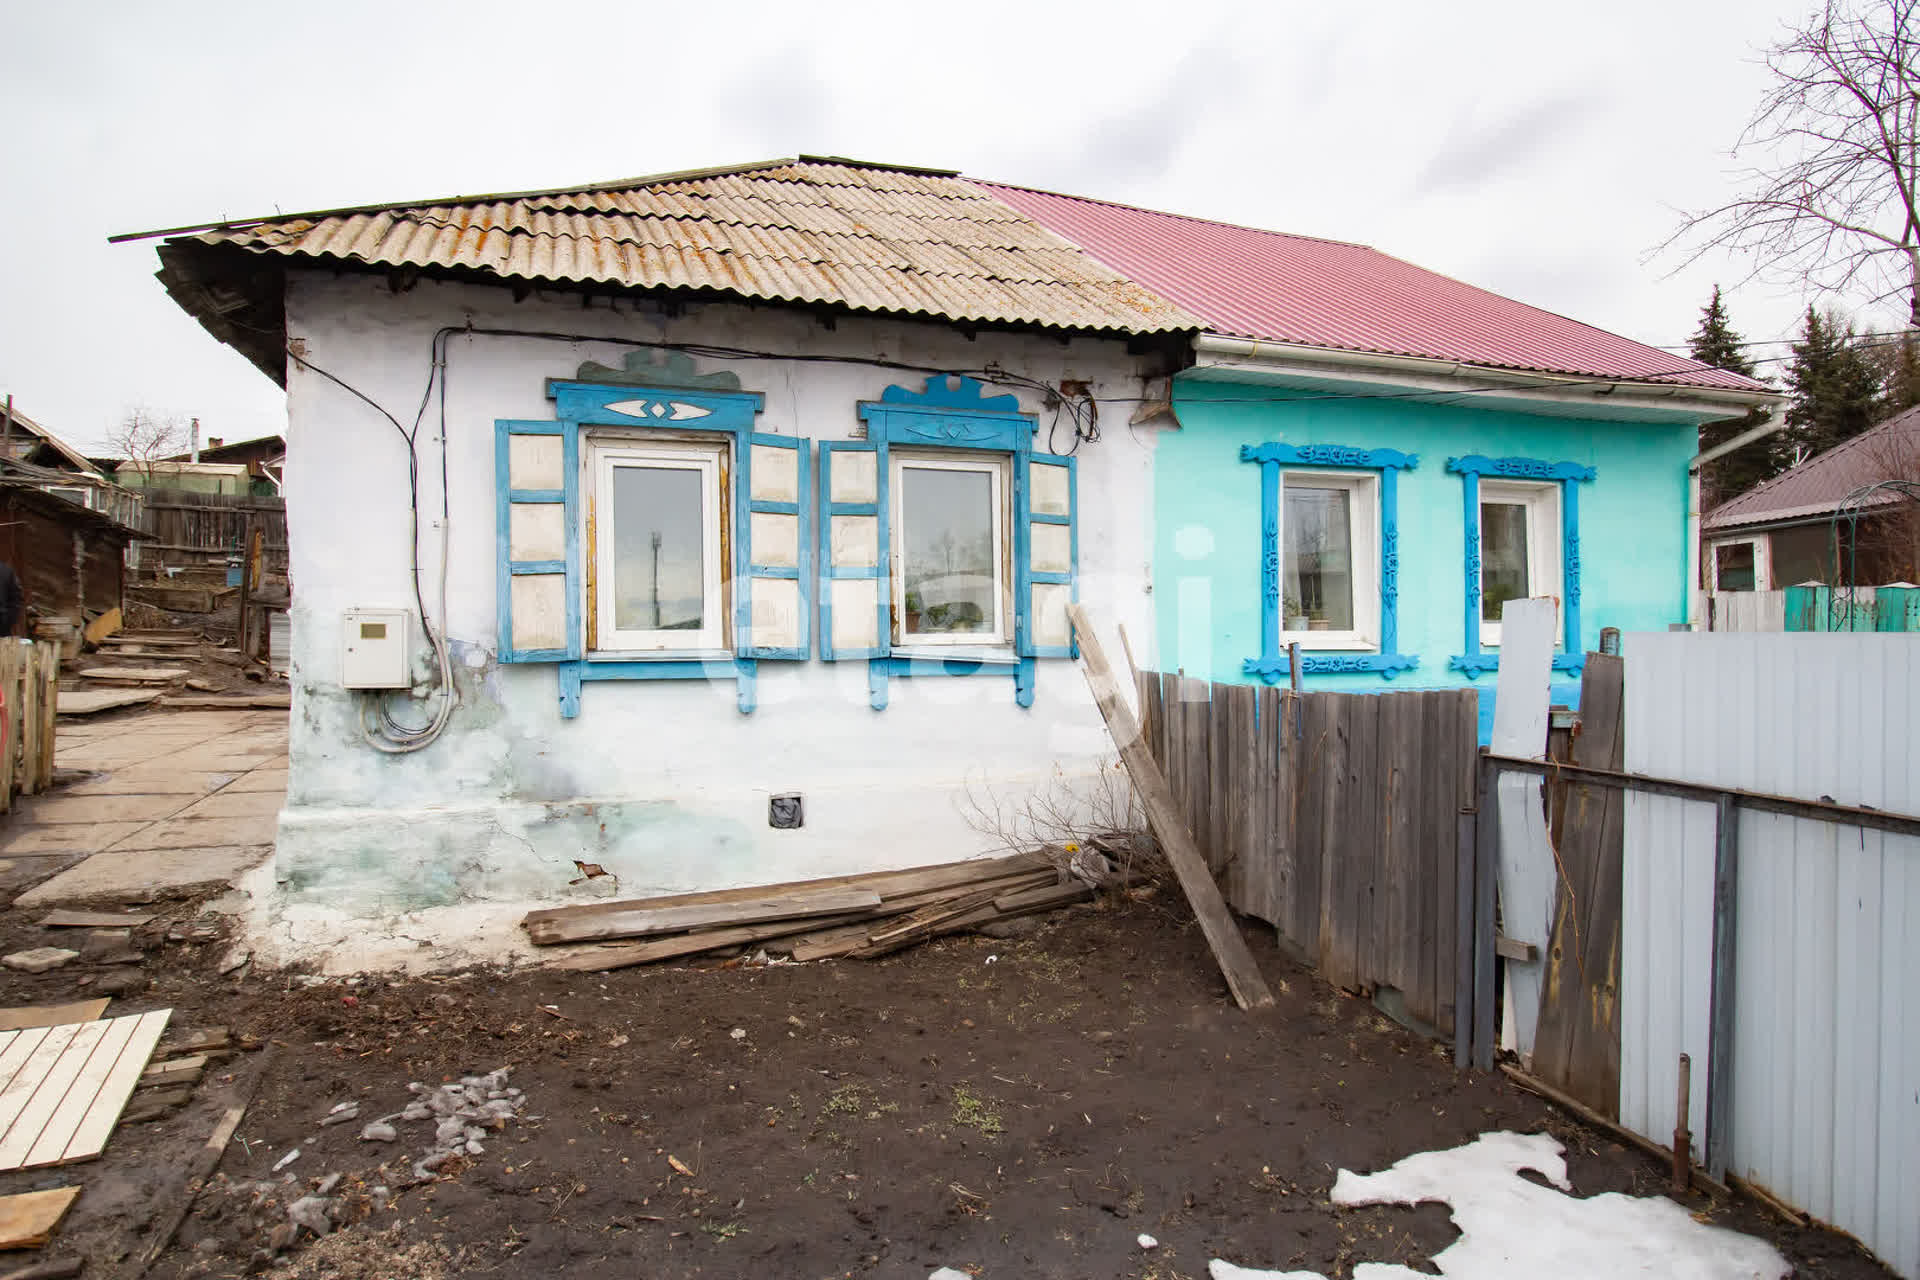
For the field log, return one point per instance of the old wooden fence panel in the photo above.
(1332, 816)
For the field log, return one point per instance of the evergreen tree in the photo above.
(1715, 343)
(1835, 389)
(1896, 363)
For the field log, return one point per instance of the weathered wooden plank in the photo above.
(639, 922)
(888, 884)
(1311, 743)
(625, 955)
(1404, 880)
(1219, 818)
(1174, 733)
(1151, 715)
(1222, 932)
(1242, 783)
(1330, 758)
(1196, 707)
(1577, 1044)
(1366, 817)
(65, 919)
(1267, 847)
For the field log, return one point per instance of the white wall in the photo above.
(664, 783)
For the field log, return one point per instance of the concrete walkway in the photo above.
(180, 799)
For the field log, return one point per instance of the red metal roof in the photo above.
(1817, 487)
(1263, 284)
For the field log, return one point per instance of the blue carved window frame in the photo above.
(1475, 661)
(578, 408)
(1274, 663)
(953, 412)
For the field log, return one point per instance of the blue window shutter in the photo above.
(537, 484)
(773, 614)
(1046, 553)
(854, 575)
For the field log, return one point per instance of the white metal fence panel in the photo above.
(1826, 1059)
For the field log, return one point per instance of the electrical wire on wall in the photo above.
(377, 725)
(1077, 410)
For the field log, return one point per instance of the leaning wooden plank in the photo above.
(48, 1091)
(64, 919)
(135, 675)
(1216, 922)
(50, 1015)
(27, 1221)
(80, 1096)
(640, 921)
(885, 883)
(90, 1138)
(103, 626)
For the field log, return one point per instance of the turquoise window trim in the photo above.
(1476, 662)
(582, 405)
(1274, 663)
(952, 412)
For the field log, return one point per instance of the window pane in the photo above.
(658, 550)
(948, 569)
(1733, 567)
(1503, 556)
(1317, 582)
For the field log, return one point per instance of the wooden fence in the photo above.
(29, 687)
(200, 529)
(1332, 816)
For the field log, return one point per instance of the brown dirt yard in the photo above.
(1011, 1108)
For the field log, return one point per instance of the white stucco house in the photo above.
(714, 528)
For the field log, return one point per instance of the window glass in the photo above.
(947, 548)
(659, 549)
(1503, 556)
(1733, 567)
(1317, 582)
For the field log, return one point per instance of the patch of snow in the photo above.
(948, 1273)
(1148, 1242)
(1512, 1228)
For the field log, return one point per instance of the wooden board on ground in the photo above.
(624, 955)
(86, 702)
(233, 702)
(27, 1220)
(62, 1088)
(64, 919)
(1216, 922)
(887, 884)
(639, 922)
(135, 674)
(51, 1015)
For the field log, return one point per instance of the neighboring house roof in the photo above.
(898, 240)
(1250, 283)
(34, 496)
(1817, 487)
(71, 456)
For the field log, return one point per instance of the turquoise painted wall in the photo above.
(1207, 522)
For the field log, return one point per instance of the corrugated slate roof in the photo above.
(1324, 293)
(872, 239)
(1889, 451)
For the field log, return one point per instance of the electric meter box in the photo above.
(376, 649)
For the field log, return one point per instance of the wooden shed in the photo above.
(70, 560)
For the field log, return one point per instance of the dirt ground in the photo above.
(1012, 1108)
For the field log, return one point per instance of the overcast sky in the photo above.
(1537, 150)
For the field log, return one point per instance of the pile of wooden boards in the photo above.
(857, 915)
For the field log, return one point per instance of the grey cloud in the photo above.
(1472, 153)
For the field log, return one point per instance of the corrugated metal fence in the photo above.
(1332, 816)
(1825, 1061)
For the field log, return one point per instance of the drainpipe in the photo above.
(1766, 427)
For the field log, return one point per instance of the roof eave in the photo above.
(1222, 356)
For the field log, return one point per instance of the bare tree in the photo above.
(144, 437)
(1829, 195)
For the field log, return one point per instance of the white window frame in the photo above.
(1000, 468)
(1363, 509)
(1544, 551)
(709, 460)
(1762, 566)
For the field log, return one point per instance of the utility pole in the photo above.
(656, 579)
